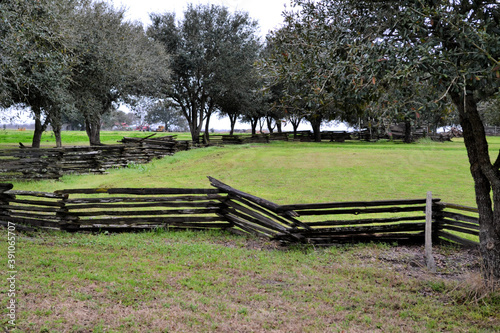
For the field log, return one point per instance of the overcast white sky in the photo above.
(266, 12)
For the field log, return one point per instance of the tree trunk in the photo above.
(93, 129)
(57, 134)
(253, 124)
(232, 119)
(206, 135)
(37, 134)
(278, 125)
(261, 125)
(270, 126)
(39, 128)
(486, 179)
(295, 127)
(316, 126)
(408, 136)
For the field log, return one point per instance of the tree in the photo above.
(206, 47)
(309, 58)
(116, 60)
(163, 111)
(36, 66)
(117, 118)
(490, 110)
(454, 44)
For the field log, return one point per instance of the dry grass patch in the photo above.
(216, 282)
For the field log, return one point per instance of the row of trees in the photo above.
(342, 58)
(71, 60)
(377, 60)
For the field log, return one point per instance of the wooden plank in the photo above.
(138, 191)
(252, 229)
(365, 221)
(37, 202)
(457, 239)
(291, 221)
(350, 204)
(357, 211)
(460, 217)
(18, 226)
(31, 222)
(247, 219)
(39, 194)
(5, 187)
(459, 207)
(431, 264)
(265, 220)
(365, 229)
(259, 201)
(150, 220)
(459, 224)
(36, 216)
(30, 208)
(145, 199)
(144, 212)
(399, 238)
(459, 229)
(201, 204)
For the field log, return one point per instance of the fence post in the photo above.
(431, 265)
(65, 222)
(4, 198)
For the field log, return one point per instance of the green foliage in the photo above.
(212, 50)
(116, 59)
(72, 60)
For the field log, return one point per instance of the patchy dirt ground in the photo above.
(452, 262)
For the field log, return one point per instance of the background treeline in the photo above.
(74, 62)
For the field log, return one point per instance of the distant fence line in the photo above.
(53, 163)
(224, 207)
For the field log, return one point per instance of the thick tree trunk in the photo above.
(253, 124)
(39, 128)
(295, 127)
(316, 126)
(408, 136)
(57, 134)
(93, 129)
(486, 179)
(37, 134)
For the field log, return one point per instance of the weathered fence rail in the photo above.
(461, 220)
(224, 207)
(53, 163)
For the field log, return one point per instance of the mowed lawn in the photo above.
(216, 282)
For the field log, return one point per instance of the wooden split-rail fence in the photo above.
(53, 163)
(224, 207)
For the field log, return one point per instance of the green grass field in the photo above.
(215, 282)
(11, 138)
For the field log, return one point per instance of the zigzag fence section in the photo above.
(53, 163)
(224, 207)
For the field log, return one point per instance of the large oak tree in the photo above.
(211, 51)
(453, 44)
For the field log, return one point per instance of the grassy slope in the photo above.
(11, 138)
(287, 172)
(215, 282)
